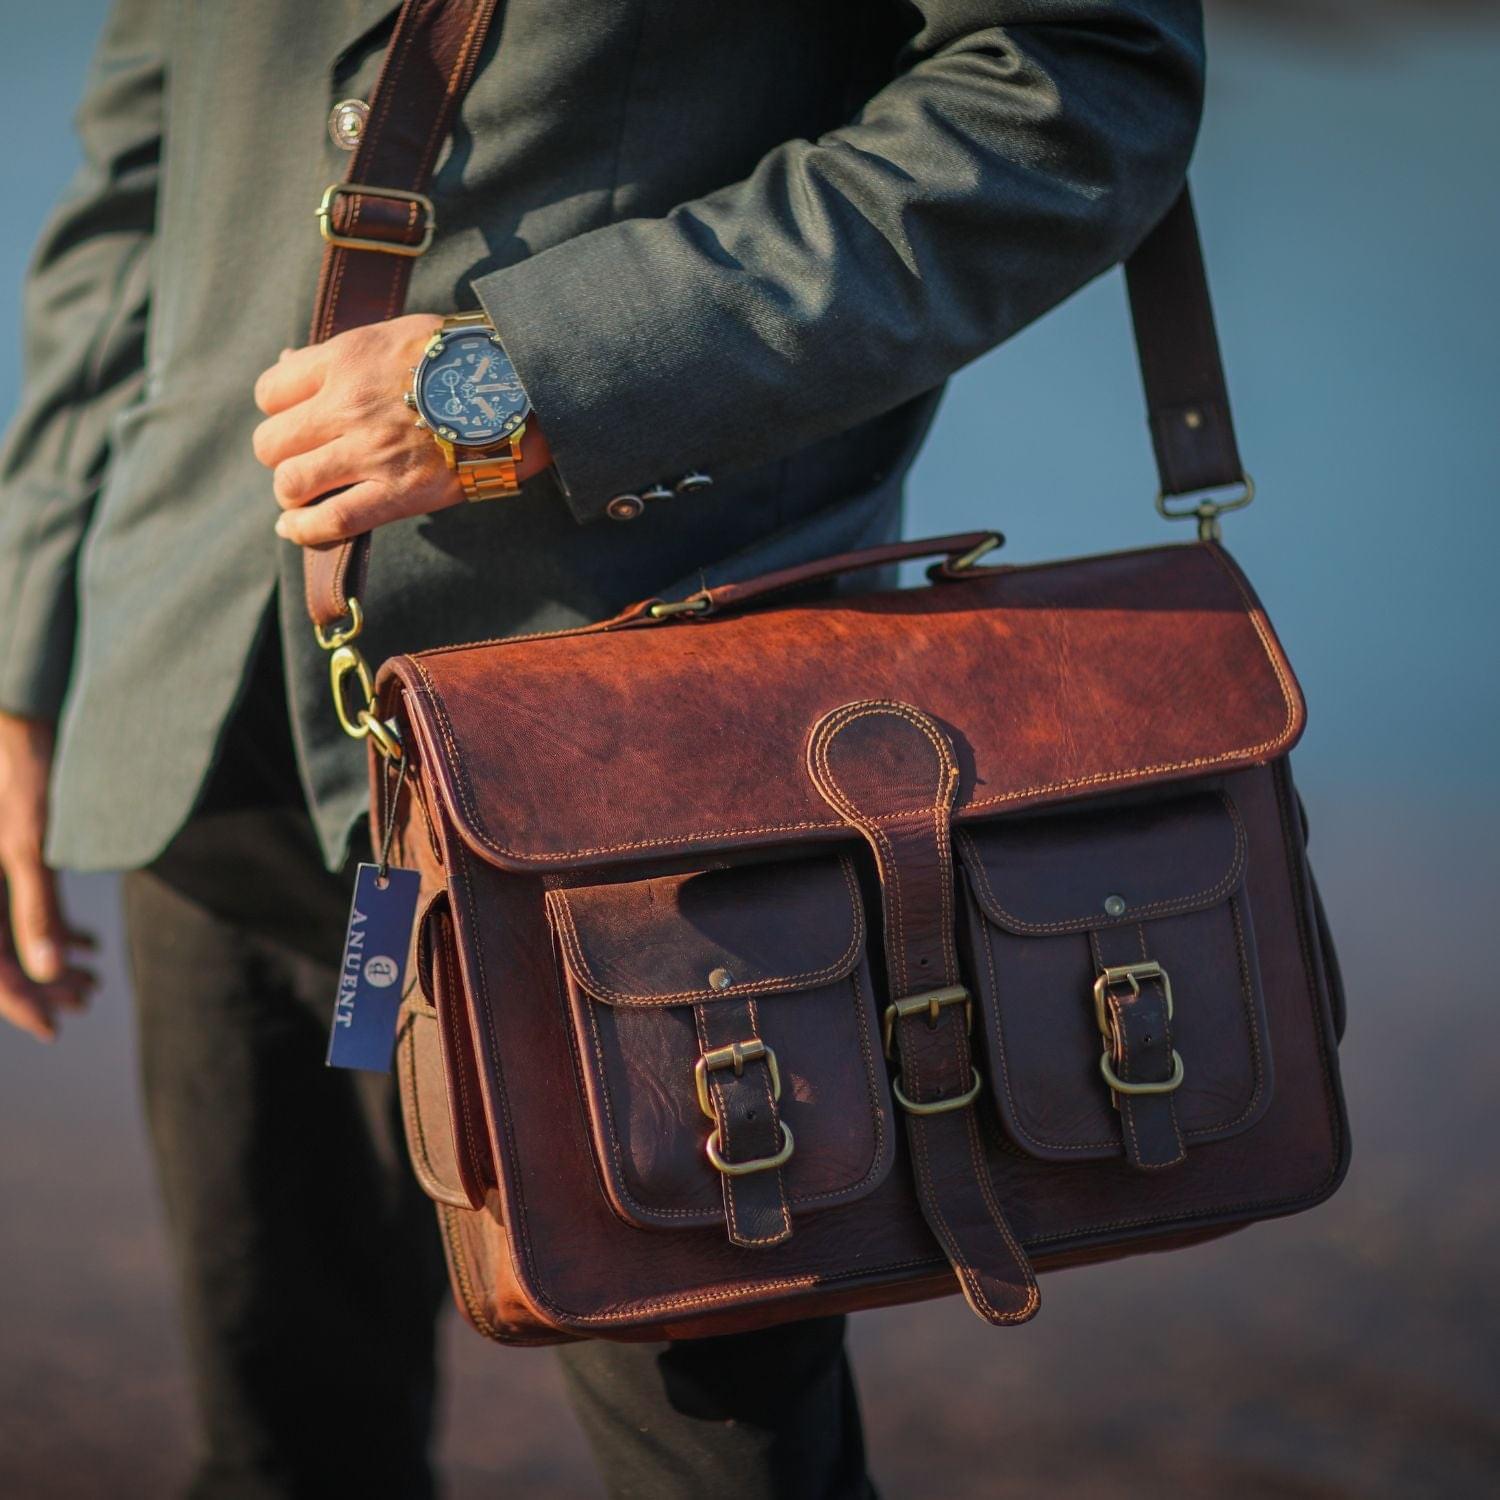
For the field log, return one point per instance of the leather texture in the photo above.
(979, 826)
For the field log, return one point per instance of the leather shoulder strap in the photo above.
(428, 68)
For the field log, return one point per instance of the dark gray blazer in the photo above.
(749, 240)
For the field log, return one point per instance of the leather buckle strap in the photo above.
(1133, 1010)
(365, 194)
(738, 1083)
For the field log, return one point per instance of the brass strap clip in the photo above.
(345, 660)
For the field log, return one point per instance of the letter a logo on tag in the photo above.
(372, 970)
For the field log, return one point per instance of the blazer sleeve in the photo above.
(83, 359)
(1022, 148)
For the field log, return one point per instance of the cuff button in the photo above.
(624, 507)
(691, 484)
(657, 492)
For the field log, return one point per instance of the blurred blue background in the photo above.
(1350, 203)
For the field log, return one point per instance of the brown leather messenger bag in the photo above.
(784, 952)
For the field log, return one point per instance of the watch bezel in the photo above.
(439, 427)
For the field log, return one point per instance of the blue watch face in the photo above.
(469, 391)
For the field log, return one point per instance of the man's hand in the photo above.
(36, 980)
(335, 421)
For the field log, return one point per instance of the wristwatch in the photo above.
(467, 394)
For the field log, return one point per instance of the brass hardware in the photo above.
(972, 556)
(1114, 906)
(932, 1001)
(345, 661)
(1129, 974)
(1206, 510)
(938, 1106)
(1119, 1086)
(362, 242)
(735, 1056)
(720, 979)
(745, 1168)
(696, 604)
(344, 634)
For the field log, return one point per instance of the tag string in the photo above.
(388, 800)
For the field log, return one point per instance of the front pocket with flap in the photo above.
(1153, 893)
(650, 966)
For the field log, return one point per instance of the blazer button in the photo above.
(346, 123)
(624, 507)
(657, 492)
(690, 484)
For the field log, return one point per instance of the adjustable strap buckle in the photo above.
(335, 190)
(1131, 976)
(735, 1055)
(933, 1002)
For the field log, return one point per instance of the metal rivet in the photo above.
(346, 123)
(1114, 906)
(690, 484)
(657, 492)
(720, 979)
(624, 507)
(1192, 418)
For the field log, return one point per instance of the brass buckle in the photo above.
(1121, 1087)
(362, 242)
(1132, 975)
(932, 1001)
(759, 1164)
(938, 1106)
(1206, 510)
(735, 1055)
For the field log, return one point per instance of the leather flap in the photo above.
(712, 934)
(1055, 682)
(1083, 871)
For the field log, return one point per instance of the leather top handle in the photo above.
(428, 67)
(959, 553)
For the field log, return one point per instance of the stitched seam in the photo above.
(455, 988)
(1015, 1113)
(828, 784)
(588, 978)
(457, 1259)
(1167, 908)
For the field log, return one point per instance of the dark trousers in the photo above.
(309, 1262)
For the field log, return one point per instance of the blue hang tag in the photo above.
(373, 972)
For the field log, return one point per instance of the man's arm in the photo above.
(85, 305)
(1025, 147)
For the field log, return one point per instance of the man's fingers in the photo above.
(300, 429)
(354, 510)
(36, 920)
(293, 378)
(308, 476)
(27, 1013)
(73, 991)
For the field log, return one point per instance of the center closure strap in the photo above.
(888, 770)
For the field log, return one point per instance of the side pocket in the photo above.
(439, 1080)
